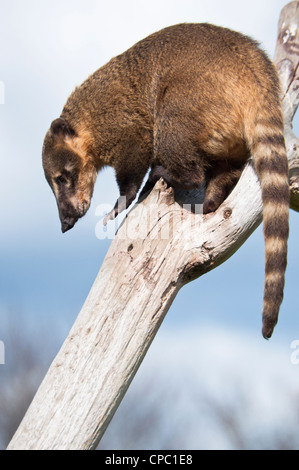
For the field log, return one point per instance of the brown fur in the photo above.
(192, 102)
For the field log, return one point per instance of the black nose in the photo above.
(68, 216)
(67, 223)
(65, 226)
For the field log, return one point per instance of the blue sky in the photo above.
(46, 49)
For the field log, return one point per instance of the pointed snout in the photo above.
(70, 211)
(67, 224)
(68, 217)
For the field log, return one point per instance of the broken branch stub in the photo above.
(286, 59)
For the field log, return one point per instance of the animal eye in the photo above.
(61, 179)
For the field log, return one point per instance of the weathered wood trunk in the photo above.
(160, 246)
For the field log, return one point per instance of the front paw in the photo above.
(110, 216)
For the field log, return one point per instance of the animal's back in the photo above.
(213, 76)
(222, 88)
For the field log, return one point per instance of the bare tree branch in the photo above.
(161, 246)
(286, 58)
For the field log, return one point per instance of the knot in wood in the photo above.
(227, 213)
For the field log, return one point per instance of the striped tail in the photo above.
(271, 163)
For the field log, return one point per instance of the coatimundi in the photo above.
(192, 102)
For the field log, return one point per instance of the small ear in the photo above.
(61, 127)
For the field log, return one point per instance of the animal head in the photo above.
(69, 170)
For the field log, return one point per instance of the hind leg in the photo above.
(220, 180)
(179, 160)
